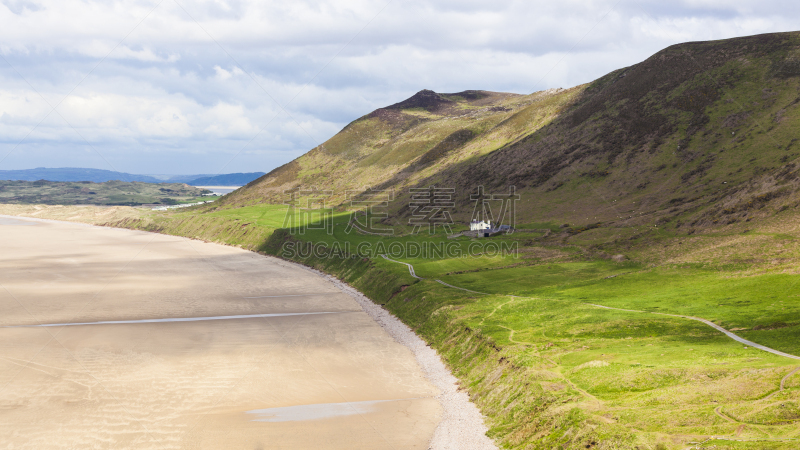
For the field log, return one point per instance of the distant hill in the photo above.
(101, 176)
(230, 179)
(183, 178)
(73, 174)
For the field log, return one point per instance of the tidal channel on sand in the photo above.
(122, 339)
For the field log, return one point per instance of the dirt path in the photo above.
(712, 325)
(718, 411)
(410, 267)
(782, 385)
(783, 381)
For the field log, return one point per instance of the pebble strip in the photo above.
(462, 426)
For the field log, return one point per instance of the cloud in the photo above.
(20, 7)
(186, 86)
(223, 74)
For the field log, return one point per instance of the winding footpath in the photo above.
(718, 410)
(707, 322)
(712, 325)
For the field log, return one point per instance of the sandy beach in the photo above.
(300, 366)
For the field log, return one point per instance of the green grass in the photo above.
(267, 216)
(653, 373)
(533, 279)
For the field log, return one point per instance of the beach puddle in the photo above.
(16, 222)
(292, 295)
(173, 319)
(314, 411)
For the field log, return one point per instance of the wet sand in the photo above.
(298, 366)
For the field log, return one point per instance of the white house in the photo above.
(479, 225)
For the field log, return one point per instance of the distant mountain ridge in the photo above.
(74, 174)
(230, 179)
(101, 176)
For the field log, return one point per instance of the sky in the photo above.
(221, 86)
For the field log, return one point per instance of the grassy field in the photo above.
(654, 374)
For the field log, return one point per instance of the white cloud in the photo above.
(226, 120)
(222, 74)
